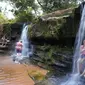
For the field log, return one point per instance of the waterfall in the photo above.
(26, 46)
(75, 78)
(25, 41)
(78, 42)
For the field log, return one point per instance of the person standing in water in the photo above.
(81, 60)
(18, 47)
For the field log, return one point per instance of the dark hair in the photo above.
(20, 40)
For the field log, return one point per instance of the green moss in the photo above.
(36, 75)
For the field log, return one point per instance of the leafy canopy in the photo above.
(53, 5)
(46, 5)
(22, 7)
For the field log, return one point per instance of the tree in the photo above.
(53, 5)
(25, 15)
(46, 5)
(23, 5)
(23, 9)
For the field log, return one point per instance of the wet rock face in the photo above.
(78, 11)
(16, 27)
(68, 41)
(16, 30)
(53, 58)
(63, 27)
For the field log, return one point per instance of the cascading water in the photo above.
(26, 51)
(75, 78)
(24, 39)
(79, 38)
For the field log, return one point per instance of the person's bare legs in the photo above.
(79, 65)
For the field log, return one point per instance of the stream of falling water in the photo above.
(75, 79)
(26, 51)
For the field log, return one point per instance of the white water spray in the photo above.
(73, 80)
(25, 42)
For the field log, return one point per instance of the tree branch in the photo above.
(40, 4)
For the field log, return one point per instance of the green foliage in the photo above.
(46, 5)
(25, 15)
(52, 5)
(11, 21)
(23, 4)
(6, 24)
(36, 75)
(46, 29)
(23, 9)
(3, 19)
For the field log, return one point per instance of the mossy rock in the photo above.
(36, 75)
